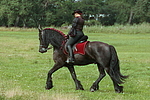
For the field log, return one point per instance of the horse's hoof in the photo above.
(119, 90)
(48, 87)
(92, 90)
(70, 61)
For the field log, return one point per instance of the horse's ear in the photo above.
(39, 28)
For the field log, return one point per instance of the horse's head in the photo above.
(43, 47)
(50, 36)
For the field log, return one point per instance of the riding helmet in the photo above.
(77, 11)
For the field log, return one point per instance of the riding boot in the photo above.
(71, 55)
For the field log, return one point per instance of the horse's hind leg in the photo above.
(118, 89)
(77, 82)
(95, 85)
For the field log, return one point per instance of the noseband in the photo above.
(42, 46)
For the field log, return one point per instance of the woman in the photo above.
(75, 33)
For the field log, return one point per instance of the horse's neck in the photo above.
(57, 39)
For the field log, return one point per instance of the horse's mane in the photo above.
(56, 31)
(55, 37)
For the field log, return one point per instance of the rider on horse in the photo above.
(75, 33)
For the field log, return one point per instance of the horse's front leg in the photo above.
(49, 82)
(77, 82)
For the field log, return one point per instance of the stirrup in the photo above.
(70, 60)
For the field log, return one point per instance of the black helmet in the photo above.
(77, 11)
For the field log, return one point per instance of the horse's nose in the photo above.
(42, 50)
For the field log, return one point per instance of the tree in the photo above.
(131, 11)
(58, 12)
(141, 11)
(31, 13)
(9, 11)
(121, 10)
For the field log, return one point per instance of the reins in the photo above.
(47, 48)
(63, 42)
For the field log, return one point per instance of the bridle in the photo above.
(42, 46)
(45, 48)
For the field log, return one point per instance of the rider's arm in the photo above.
(74, 24)
(75, 21)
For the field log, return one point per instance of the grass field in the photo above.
(23, 70)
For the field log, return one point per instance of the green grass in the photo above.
(123, 29)
(23, 70)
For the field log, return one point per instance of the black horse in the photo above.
(99, 53)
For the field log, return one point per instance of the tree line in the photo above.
(31, 13)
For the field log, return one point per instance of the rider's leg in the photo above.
(71, 55)
(70, 43)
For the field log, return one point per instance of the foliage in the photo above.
(92, 23)
(31, 13)
(141, 11)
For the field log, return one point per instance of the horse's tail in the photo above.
(114, 67)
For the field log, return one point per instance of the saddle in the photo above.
(79, 47)
(83, 39)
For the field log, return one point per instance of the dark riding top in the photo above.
(78, 23)
(76, 32)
